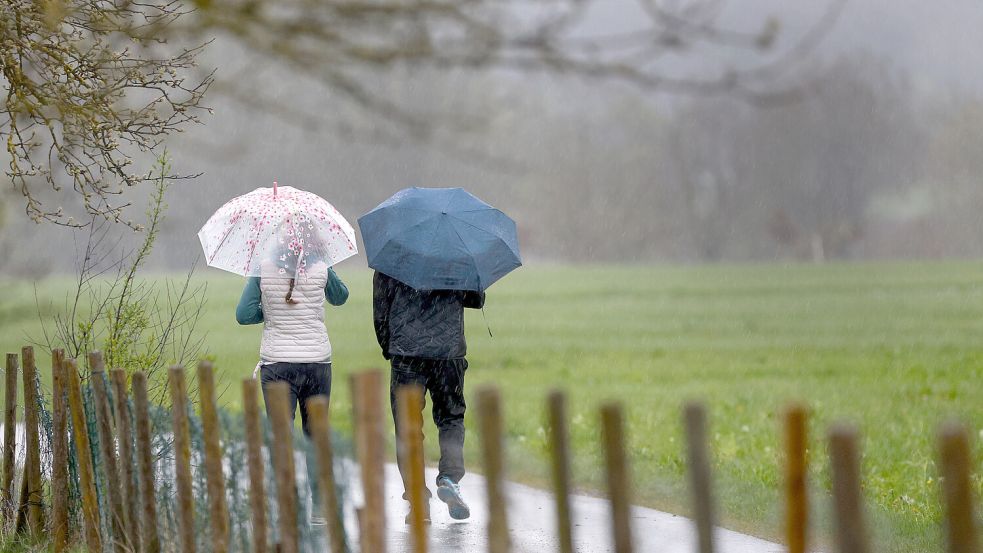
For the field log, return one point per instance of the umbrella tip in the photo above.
(274, 188)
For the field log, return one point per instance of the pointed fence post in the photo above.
(616, 464)
(796, 470)
(409, 400)
(851, 527)
(127, 472)
(277, 398)
(182, 461)
(83, 454)
(369, 440)
(957, 489)
(107, 451)
(31, 510)
(150, 539)
(560, 462)
(317, 408)
(59, 453)
(254, 457)
(215, 478)
(490, 428)
(699, 470)
(9, 441)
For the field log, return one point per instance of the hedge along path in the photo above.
(150, 539)
(124, 431)
(30, 513)
(213, 459)
(369, 442)
(9, 441)
(254, 458)
(182, 460)
(107, 449)
(83, 449)
(409, 400)
(317, 409)
(59, 453)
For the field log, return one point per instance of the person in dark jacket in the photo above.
(421, 332)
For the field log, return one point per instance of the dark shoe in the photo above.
(426, 514)
(450, 493)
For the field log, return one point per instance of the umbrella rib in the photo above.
(221, 242)
(477, 269)
(486, 231)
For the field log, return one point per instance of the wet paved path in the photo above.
(531, 523)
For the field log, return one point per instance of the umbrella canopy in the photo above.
(440, 239)
(279, 231)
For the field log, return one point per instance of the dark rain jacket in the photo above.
(428, 324)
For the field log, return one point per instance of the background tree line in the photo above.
(855, 163)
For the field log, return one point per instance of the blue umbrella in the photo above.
(440, 239)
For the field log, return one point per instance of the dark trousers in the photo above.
(306, 380)
(444, 380)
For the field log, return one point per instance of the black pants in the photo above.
(306, 380)
(444, 380)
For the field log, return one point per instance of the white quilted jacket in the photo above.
(295, 333)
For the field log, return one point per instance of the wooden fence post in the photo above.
(850, 522)
(490, 428)
(616, 461)
(213, 458)
(560, 461)
(317, 409)
(277, 398)
(182, 460)
(83, 453)
(957, 488)
(31, 510)
(150, 539)
(409, 400)
(254, 457)
(59, 453)
(700, 479)
(107, 450)
(124, 431)
(367, 402)
(9, 441)
(796, 467)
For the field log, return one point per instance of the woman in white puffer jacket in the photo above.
(295, 347)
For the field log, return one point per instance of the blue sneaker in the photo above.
(450, 493)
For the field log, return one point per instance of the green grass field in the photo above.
(894, 347)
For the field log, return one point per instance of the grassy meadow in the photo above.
(895, 347)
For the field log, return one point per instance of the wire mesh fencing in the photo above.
(109, 471)
(103, 470)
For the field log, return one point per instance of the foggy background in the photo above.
(879, 158)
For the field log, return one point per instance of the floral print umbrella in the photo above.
(279, 231)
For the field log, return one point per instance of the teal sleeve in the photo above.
(250, 310)
(335, 290)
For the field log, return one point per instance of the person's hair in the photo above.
(290, 293)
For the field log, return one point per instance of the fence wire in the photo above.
(235, 469)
